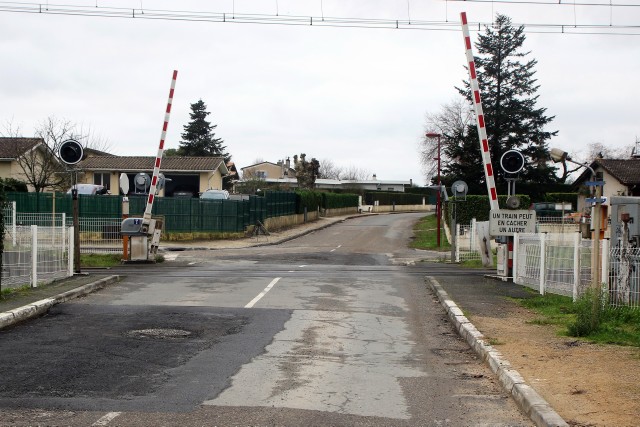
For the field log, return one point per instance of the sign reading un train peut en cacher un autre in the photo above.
(505, 222)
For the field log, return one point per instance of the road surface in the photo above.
(333, 328)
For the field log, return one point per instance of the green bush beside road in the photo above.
(590, 317)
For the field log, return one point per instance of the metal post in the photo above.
(516, 243)
(454, 232)
(457, 248)
(34, 256)
(438, 195)
(576, 264)
(543, 267)
(605, 262)
(595, 252)
(71, 251)
(14, 218)
(125, 239)
(76, 228)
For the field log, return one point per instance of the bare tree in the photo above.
(328, 170)
(354, 173)
(90, 139)
(597, 150)
(40, 163)
(451, 121)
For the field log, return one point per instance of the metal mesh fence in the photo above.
(466, 243)
(51, 255)
(624, 277)
(528, 260)
(99, 235)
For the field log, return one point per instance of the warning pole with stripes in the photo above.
(482, 131)
(146, 218)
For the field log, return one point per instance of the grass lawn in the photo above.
(100, 260)
(594, 322)
(425, 235)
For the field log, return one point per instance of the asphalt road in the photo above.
(333, 328)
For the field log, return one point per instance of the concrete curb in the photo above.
(38, 308)
(529, 401)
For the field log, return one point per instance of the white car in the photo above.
(90, 189)
(215, 195)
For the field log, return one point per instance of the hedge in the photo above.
(337, 201)
(393, 197)
(309, 199)
(478, 207)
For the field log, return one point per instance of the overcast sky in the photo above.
(357, 96)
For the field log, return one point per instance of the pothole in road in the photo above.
(159, 333)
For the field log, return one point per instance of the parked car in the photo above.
(90, 189)
(215, 195)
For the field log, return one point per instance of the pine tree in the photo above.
(198, 138)
(513, 120)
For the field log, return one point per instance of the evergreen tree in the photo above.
(512, 118)
(198, 138)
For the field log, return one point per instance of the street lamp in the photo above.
(557, 155)
(439, 200)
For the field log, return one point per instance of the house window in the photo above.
(599, 176)
(103, 179)
(261, 174)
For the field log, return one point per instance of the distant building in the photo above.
(621, 178)
(268, 170)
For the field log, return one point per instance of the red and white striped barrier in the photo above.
(156, 167)
(482, 131)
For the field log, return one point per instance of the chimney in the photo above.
(374, 177)
(288, 164)
(635, 153)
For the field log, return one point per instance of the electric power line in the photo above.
(296, 20)
(549, 3)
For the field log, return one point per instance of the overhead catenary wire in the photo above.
(558, 3)
(298, 20)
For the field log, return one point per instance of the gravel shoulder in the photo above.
(587, 384)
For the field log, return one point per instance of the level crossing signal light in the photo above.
(512, 162)
(71, 152)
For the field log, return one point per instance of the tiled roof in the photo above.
(11, 148)
(141, 163)
(627, 171)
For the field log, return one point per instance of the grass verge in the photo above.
(590, 317)
(100, 260)
(425, 235)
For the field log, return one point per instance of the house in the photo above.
(621, 178)
(269, 170)
(185, 176)
(337, 184)
(20, 154)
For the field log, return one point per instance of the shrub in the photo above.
(589, 310)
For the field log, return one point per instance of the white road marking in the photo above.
(338, 247)
(302, 266)
(263, 293)
(192, 262)
(106, 419)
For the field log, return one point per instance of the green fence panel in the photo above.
(180, 215)
(99, 206)
(280, 203)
